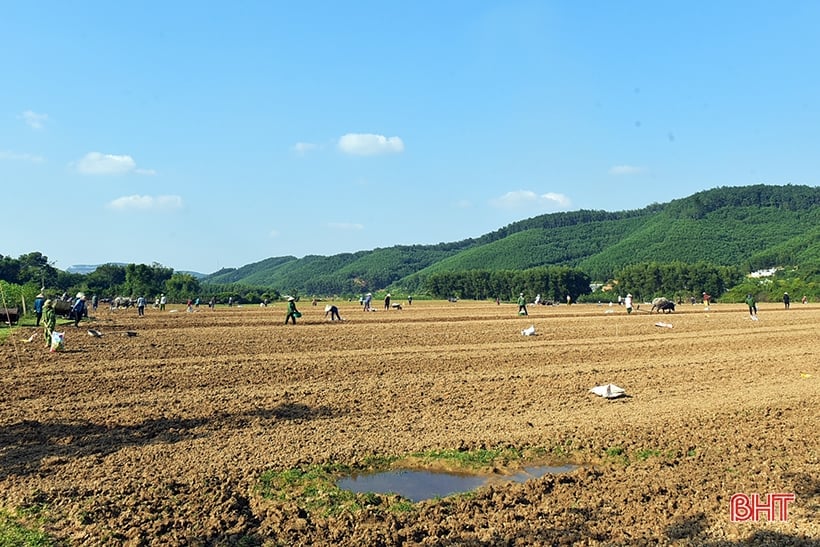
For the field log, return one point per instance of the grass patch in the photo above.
(618, 454)
(646, 453)
(402, 506)
(314, 488)
(614, 451)
(563, 450)
(470, 460)
(6, 331)
(14, 533)
(304, 486)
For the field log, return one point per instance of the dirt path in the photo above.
(161, 438)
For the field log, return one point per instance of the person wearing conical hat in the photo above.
(333, 311)
(49, 320)
(293, 313)
(38, 308)
(78, 309)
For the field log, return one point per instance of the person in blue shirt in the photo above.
(38, 308)
(78, 309)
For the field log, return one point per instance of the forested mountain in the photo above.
(749, 227)
(342, 273)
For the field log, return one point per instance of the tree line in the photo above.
(31, 273)
(551, 282)
(677, 280)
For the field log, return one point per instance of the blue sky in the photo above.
(210, 135)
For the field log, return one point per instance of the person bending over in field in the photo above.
(333, 311)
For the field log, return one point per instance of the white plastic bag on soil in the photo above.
(57, 341)
(608, 391)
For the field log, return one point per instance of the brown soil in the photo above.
(160, 438)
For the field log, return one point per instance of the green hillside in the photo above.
(751, 227)
(343, 273)
(261, 269)
(728, 236)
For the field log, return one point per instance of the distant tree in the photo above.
(552, 282)
(182, 286)
(106, 280)
(141, 279)
(9, 269)
(651, 279)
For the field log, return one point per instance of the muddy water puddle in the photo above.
(418, 485)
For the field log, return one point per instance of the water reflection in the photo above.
(422, 485)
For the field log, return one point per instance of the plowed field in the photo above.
(161, 438)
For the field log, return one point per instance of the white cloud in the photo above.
(16, 156)
(33, 119)
(273, 233)
(464, 204)
(626, 170)
(368, 144)
(527, 199)
(95, 163)
(348, 226)
(146, 203)
(304, 147)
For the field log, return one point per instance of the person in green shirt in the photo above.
(49, 320)
(522, 305)
(293, 313)
(750, 301)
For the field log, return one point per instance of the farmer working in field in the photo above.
(49, 320)
(750, 301)
(522, 305)
(78, 309)
(38, 308)
(293, 313)
(333, 311)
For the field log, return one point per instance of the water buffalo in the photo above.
(62, 308)
(662, 304)
(122, 302)
(9, 316)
